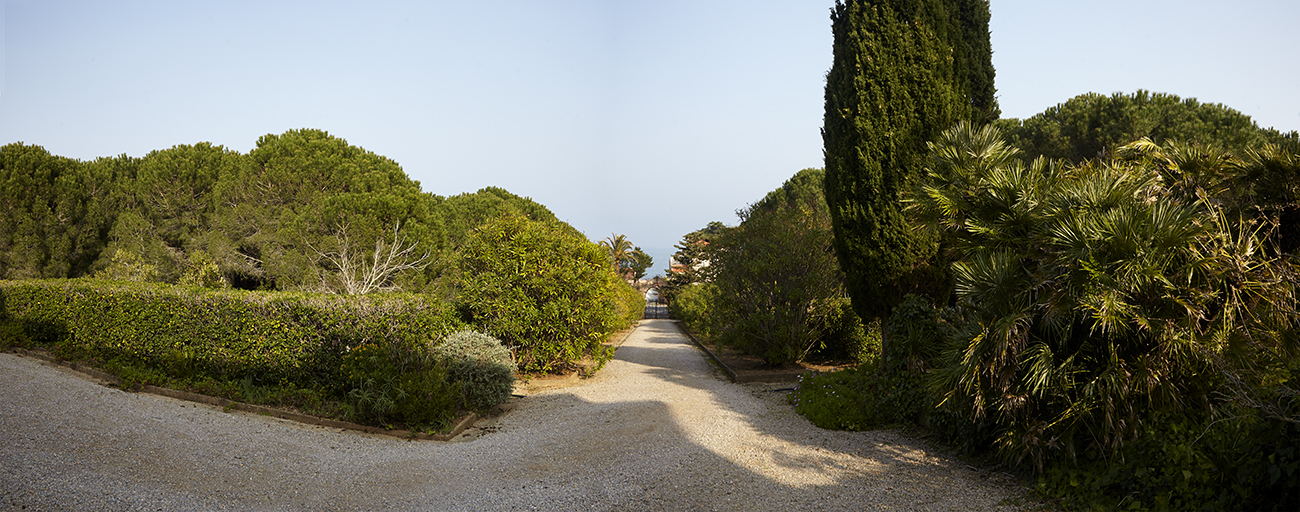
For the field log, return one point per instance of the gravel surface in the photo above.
(657, 429)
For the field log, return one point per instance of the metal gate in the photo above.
(655, 310)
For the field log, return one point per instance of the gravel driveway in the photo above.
(657, 429)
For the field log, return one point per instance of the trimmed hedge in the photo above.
(271, 337)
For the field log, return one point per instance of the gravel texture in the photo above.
(657, 429)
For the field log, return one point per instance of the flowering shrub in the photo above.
(833, 400)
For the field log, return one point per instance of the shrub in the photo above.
(390, 382)
(12, 334)
(692, 307)
(1186, 462)
(845, 336)
(541, 288)
(201, 270)
(777, 274)
(891, 389)
(835, 400)
(629, 305)
(913, 337)
(482, 367)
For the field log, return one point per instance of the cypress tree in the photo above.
(903, 71)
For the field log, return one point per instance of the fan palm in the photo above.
(1088, 295)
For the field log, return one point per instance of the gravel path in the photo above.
(657, 429)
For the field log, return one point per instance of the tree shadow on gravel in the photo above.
(795, 456)
(630, 447)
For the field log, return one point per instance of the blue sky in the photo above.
(648, 119)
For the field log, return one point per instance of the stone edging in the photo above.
(623, 335)
(742, 376)
(731, 374)
(460, 426)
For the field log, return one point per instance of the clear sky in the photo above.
(648, 119)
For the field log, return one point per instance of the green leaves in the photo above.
(774, 274)
(902, 71)
(772, 286)
(1092, 125)
(543, 290)
(53, 212)
(274, 336)
(1084, 291)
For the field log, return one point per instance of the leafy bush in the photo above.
(481, 365)
(845, 336)
(541, 288)
(370, 351)
(892, 390)
(201, 270)
(390, 382)
(629, 305)
(1186, 462)
(777, 275)
(692, 307)
(12, 334)
(836, 400)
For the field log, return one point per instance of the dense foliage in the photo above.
(1112, 307)
(541, 289)
(1126, 328)
(370, 351)
(55, 211)
(303, 211)
(1094, 125)
(279, 337)
(776, 280)
(483, 366)
(773, 287)
(902, 71)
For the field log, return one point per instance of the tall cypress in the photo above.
(903, 71)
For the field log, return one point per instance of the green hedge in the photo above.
(272, 337)
(629, 304)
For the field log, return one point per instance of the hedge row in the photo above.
(629, 305)
(272, 337)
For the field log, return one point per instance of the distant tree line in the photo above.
(306, 211)
(265, 219)
(1092, 126)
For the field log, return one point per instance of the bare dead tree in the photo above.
(357, 274)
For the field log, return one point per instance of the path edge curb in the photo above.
(731, 374)
(460, 426)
